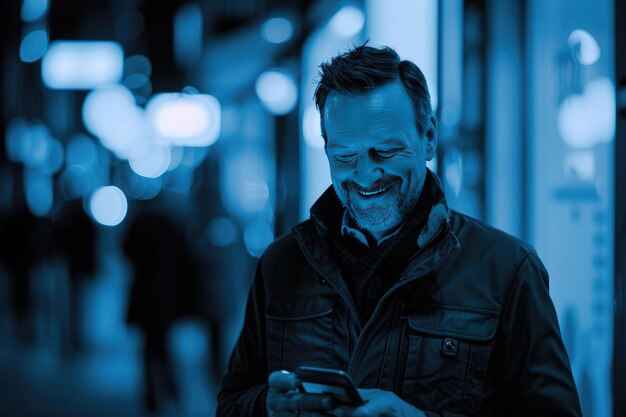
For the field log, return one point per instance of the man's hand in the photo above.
(284, 399)
(379, 403)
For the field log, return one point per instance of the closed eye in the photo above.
(386, 153)
(344, 157)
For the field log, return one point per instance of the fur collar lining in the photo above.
(438, 217)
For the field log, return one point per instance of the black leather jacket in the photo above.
(468, 329)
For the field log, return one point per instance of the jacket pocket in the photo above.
(300, 331)
(448, 353)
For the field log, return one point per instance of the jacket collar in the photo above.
(326, 213)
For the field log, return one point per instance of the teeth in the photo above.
(372, 192)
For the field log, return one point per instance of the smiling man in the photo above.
(431, 312)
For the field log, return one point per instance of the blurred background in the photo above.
(151, 150)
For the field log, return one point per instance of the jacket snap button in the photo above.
(449, 347)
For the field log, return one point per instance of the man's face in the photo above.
(377, 155)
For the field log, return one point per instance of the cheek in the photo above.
(338, 174)
(406, 171)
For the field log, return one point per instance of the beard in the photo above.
(382, 213)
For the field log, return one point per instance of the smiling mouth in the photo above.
(374, 192)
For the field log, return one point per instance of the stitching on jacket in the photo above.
(513, 282)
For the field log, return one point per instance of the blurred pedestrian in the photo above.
(75, 239)
(162, 292)
(26, 242)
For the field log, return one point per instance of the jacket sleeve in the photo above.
(536, 377)
(243, 389)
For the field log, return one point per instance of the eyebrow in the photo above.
(389, 141)
(335, 146)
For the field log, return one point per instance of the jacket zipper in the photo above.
(399, 365)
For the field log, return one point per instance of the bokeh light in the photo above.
(222, 231)
(16, 131)
(35, 145)
(33, 10)
(184, 120)
(587, 119)
(150, 158)
(277, 91)
(34, 45)
(188, 28)
(82, 151)
(244, 183)
(108, 205)
(311, 128)
(76, 181)
(277, 30)
(38, 192)
(54, 157)
(138, 64)
(347, 22)
(177, 154)
(257, 235)
(82, 65)
(137, 72)
(136, 186)
(584, 46)
(111, 115)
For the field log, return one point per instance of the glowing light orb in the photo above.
(277, 30)
(585, 47)
(34, 45)
(111, 115)
(347, 22)
(277, 91)
(108, 205)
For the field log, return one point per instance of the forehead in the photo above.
(382, 114)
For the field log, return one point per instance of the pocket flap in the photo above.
(300, 307)
(462, 323)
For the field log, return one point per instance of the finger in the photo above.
(306, 402)
(281, 381)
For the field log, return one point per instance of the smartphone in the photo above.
(332, 382)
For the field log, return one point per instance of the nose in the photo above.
(367, 171)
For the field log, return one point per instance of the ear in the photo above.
(431, 138)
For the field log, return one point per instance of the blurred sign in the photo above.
(184, 120)
(82, 65)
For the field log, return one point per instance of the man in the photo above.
(431, 312)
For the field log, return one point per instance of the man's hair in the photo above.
(364, 68)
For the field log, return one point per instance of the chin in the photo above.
(378, 220)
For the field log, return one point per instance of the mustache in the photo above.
(350, 185)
